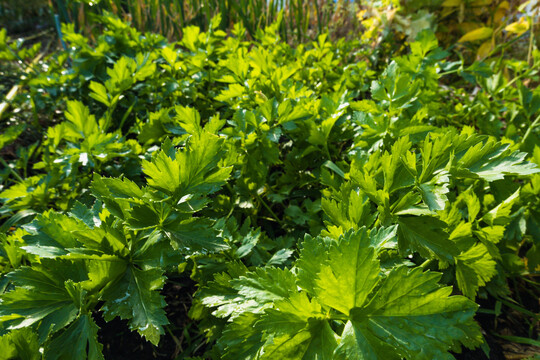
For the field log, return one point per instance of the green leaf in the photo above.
(434, 192)
(425, 42)
(351, 209)
(500, 214)
(79, 342)
(81, 122)
(474, 268)
(99, 93)
(54, 235)
(297, 329)
(20, 344)
(350, 275)
(135, 297)
(357, 343)
(190, 38)
(194, 170)
(313, 254)
(266, 285)
(122, 75)
(189, 119)
(419, 319)
(426, 235)
(239, 341)
(323, 341)
(492, 161)
(11, 134)
(408, 315)
(116, 188)
(220, 294)
(90, 217)
(291, 314)
(41, 296)
(143, 217)
(384, 237)
(194, 235)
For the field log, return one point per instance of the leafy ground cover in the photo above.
(232, 195)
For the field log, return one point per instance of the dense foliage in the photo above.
(329, 202)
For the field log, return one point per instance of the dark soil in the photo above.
(121, 344)
(510, 323)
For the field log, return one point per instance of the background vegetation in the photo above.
(308, 134)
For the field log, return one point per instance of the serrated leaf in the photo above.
(266, 285)
(20, 344)
(279, 257)
(142, 217)
(500, 214)
(351, 210)
(313, 254)
(357, 343)
(116, 188)
(297, 326)
(425, 42)
(194, 170)
(407, 316)
(350, 275)
(492, 161)
(88, 216)
(239, 341)
(384, 237)
(426, 235)
(51, 234)
(78, 342)
(189, 118)
(474, 268)
(194, 235)
(434, 192)
(11, 134)
(81, 122)
(99, 93)
(135, 297)
(418, 318)
(41, 296)
(220, 294)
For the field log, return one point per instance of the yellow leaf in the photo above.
(504, 5)
(502, 9)
(360, 14)
(484, 49)
(481, 3)
(478, 34)
(518, 27)
(451, 3)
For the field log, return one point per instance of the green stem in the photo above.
(11, 170)
(530, 129)
(175, 339)
(23, 65)
(342, 317)
(511, 82)
(426, 263)
(327, 151)
(269, 209)
(531, 39)
(450, 72)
